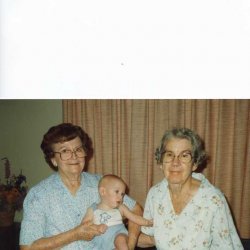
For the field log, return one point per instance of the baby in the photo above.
(111, 211)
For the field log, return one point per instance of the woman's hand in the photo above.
(87, 230)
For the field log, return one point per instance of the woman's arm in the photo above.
(85, 231)
(145, 241)
(134, 217)
(224, 232)
(133, 228)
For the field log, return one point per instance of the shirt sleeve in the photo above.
(149, 213)
(33, 223)
(223, 229)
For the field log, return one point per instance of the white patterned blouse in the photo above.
(205, 223)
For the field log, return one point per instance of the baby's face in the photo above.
(114, 193)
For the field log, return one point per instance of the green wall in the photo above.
(22, 125)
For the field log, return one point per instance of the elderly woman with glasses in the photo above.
(188, 211)
(54, 208)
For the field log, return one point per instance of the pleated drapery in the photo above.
(125, 134)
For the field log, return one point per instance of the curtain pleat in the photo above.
(125, 134)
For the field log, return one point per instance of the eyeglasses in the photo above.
(66, 154)
(184, 157)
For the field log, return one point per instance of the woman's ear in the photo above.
(53, 160)
(194, 167)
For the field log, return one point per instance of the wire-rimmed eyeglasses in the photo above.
(66, 154)
(184, 157)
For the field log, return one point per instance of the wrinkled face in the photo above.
(113, 192)
(69, 163)
(179, 169)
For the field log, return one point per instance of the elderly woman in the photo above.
(188, 211)
(54, 208)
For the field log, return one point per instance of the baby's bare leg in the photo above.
(121, 242)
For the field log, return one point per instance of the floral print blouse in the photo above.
(205, 222)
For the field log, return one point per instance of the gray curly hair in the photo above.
(198, 150)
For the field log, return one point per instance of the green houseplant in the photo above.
(12, 194)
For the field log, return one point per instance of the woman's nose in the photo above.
(176, 160)
(74, 156)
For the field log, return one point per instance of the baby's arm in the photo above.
(89, 216)
(133, 217)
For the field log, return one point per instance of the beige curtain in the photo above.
(125, 134)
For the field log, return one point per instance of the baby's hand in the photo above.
(150, 223)
(102, 228)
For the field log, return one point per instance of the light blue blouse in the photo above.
(50, 209)
(205, 222)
